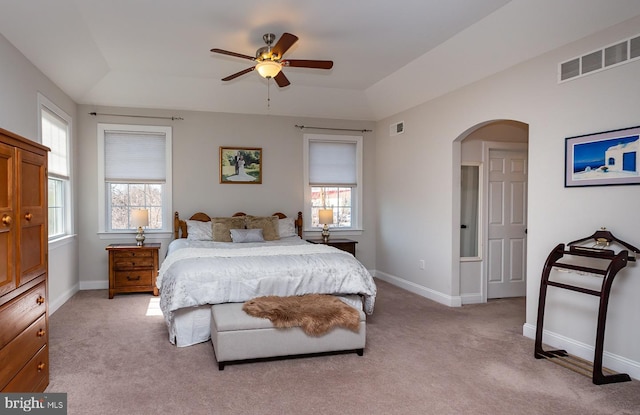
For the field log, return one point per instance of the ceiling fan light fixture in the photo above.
(268, 68)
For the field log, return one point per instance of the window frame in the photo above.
(45, 104)
(167, 210)
(356, 190)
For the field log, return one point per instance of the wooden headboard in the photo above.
(180, 225)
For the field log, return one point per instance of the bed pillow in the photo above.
(268, 224)
(246, 235)
(221, 228)
(199, 231)
(286, 227)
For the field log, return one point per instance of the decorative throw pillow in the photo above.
(221, 228)
(268, 224)
(246, 235)
(199, 231)
(286, 227)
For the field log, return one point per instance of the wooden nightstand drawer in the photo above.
(133, 254)
(132, 262)
(133, 268)
(133, 278)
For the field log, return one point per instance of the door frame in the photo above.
(487, 146)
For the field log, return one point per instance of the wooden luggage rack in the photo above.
(600, 250)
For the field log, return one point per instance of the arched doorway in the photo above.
(492, 165)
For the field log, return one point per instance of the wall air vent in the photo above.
(396, 128)
(598, 60)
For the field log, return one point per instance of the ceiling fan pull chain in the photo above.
(268, 92)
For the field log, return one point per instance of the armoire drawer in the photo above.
(21, 349)
(34, 376)
(19, 313)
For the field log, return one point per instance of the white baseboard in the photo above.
(55, 305)
(472, 298)
(94, 285)
(585, 351)
(436, 296)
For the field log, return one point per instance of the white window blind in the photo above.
(54, 136)
(332, 163)
(134, 157)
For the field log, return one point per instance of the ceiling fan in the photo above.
(269, 60)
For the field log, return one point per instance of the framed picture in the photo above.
(240, 165)
(603, 159)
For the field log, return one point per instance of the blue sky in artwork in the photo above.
(592, 153)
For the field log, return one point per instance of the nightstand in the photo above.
(133, 268)
(340, 243)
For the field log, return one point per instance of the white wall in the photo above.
(417, 217)
(20, 83)
(196, 183)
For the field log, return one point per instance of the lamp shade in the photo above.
(268, 68)
(325, 216)
(139, 218)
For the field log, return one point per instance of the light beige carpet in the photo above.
(421, 358)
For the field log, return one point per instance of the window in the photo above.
(55, 133)
(134, 173)
(333, 178)
(470, 210)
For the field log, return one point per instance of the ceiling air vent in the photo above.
(598, 60)
(397, 128)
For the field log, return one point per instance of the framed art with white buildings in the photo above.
(603, 159)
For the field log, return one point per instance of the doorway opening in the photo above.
(493, 170)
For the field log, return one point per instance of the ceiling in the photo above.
(388, 55)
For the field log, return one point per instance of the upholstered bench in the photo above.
(237, 336)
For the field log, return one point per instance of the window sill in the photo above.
(149, 236)
(345, 232)
(61, 241)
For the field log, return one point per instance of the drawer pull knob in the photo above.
(6, 220)
(28, 216)
(129, 278)
(41, 333)
(41, 367)
(40, 300)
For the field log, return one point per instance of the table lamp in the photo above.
(140, 218)
(325, 218)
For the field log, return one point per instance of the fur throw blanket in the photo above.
(316, 314)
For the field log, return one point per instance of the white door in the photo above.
(507, 210)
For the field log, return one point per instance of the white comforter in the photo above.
(197, 272)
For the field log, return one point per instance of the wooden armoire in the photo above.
(24, 331)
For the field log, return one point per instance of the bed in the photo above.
(203, 269)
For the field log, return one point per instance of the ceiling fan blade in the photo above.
(281, 80)
(305, 63)
(237, 74)
(284, 43)
(237, 55)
